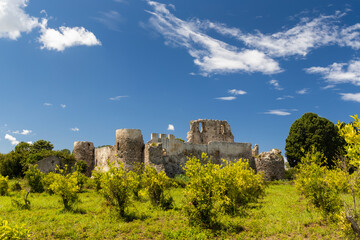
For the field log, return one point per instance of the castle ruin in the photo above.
(166, 153)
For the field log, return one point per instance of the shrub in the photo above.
(320, 185)
(81, 179)
(23, 203)
(242, 185)
(66, 186)
(34, 178)
(116, 187)
(4, 185)
(81, 166)
(15, 232)
(156, 183)
(16, 186)
(203, 192)
(96, 177)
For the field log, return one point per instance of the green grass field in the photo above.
(281, 214)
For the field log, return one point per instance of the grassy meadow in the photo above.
(281, 214)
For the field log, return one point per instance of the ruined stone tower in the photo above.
(85, 151)
(203, 131)
(129, 147)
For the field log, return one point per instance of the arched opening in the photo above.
(222, 129)
(201, 127)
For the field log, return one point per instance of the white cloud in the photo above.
(65, 37)
(23, 132)
(210, 54)
(117, 98)
(230, 98)
(339, 72)
(237, 92)
(62, 105)
(110, 19)
(278, 112)
(284, 97)
(11, 139)
(307, 35)
(275, 84)
(171, 127)
(14, 20)
(47, 104)
(303, 91)
(75, 129)
(355, 97)
(328, 86)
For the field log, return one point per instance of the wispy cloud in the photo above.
(171, 127)
(278, 112)
(303, 91)
(75, 129)
(47, 104)
(328, 86)
(284, 97)
(12, 139)
(210, 54)
(275, 84)
(23, 132)
(62, 105)
(237, 92)
(110, 19)
(213, 55)
(117, 98)
(355, 97)
(65, 37)
(339, 72)
(230, 98)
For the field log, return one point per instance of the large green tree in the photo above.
(312, 130)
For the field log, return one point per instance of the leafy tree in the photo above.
(41, 145)
(312, 130)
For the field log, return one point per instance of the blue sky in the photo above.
(79, 70)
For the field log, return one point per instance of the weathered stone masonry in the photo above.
(166, 153)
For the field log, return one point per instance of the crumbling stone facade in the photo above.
(203, 131)
(272, 164)
(168, 154)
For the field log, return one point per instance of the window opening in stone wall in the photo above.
(118, 146)
(222, 129)
(201, 127)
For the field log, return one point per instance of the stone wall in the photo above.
(130, 147)
(48, 164)
(85, 151)
(171, 154)
(272, 164)
(210, 130)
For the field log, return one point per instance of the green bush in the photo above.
(117, 186)
(16, 186)
(81, 179)
(15, 232)
(34, 178)
(4, 185)
(156, 183)
(96, 178)
(66, 186)
(242, 185)
(23, 202)
(204, 192)
(320, 185)
(81, 166)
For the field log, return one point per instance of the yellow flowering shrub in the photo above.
(8, 232)
(156, 183)
(66, 186)
(242, 184)
(321, 186)
(116, 187)
(4, 185)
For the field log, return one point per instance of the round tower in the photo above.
(85, 151)
(130, 147)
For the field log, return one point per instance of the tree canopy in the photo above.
(312, 130)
